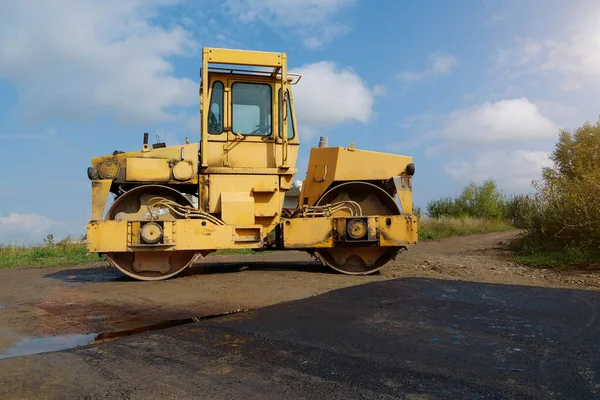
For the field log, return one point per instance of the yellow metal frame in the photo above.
(193, 234)
(211, 56)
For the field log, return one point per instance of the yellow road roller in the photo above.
(173, 204)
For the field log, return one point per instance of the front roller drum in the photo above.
(359, 260)
(153, 263)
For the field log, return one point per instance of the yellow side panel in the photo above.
(237, 208)
(191, 235)
(242, 183)
(112, 236)
(100, 191)
(267, 204)
(330, 164)
(305, 233)
(368, 165)
(148, 169)
(107, 236)
(398, 230)
(302, 233)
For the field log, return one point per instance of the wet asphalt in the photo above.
(407, 338)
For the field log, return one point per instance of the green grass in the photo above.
(13, 256)
(538, 254)
(564, 259)
(445, 227)
(49, 255)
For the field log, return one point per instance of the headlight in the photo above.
(93, 174)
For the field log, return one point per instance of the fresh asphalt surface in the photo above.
(407, 338)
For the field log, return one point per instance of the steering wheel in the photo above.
(260, 129)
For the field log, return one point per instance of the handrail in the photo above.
(254, 72)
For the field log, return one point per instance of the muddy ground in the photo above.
(42, 302)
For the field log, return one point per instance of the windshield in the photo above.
(252, 107)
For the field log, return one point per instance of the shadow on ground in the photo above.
(97, 274)
(209, 267)
(110, 274)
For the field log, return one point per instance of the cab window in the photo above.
(215, 111)
(252, 104)
(290, 121)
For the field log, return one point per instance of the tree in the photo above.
(565, 211)
(576, 154)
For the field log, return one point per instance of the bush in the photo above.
(520, 210)
(477, 201)
(564, 214)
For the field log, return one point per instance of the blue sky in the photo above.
(471, 89)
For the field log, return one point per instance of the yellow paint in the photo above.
(159, 164)
(401, 231)
(107, 236)
(265, 201)
(183, 170)
(100, 191)
(307, 233)
(334, 164)
(237, 208)
(244, 57)
(148, 170)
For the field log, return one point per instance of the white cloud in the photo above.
(506, 122)
(328, 95)
(512, 170)
(574, 59)
(23, 228)
(312, 19)
(79, 58)
(440, 64)
(501, 121)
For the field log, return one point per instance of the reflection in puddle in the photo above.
(63, 342)
(47, 344)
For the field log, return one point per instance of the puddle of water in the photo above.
(63, 342)
(47, 344)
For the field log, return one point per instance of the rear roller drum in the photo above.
(373, 201)
(155, 264)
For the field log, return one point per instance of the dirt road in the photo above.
(44, 302)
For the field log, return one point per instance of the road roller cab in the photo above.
(227, 191)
